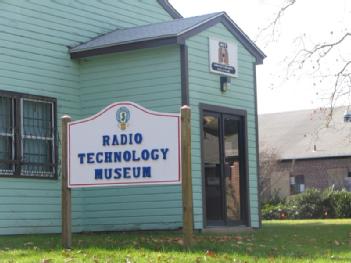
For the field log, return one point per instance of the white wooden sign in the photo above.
(223, 58)
(124, 144)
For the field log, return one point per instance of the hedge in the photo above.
(312, 204)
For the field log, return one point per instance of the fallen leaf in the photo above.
(210, 253)
(180, 241)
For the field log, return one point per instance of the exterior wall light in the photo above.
(225, 83)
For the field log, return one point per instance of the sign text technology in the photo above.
(124, 144)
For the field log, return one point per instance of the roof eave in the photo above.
(149, 43)
(286, 159)
(252, 47)
(179, 39)
(170, 9)
(234, 29)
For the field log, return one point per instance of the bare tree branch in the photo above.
(273, 24)
(318, 56)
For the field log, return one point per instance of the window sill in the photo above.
(14, 176)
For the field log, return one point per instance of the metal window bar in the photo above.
(7, 131)
(37, 144)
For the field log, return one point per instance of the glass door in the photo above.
(212, 168)
(224, 168)
(232, 166)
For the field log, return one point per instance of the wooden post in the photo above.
(186, 176)
(66, 192)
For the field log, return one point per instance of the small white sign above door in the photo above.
(223, 58)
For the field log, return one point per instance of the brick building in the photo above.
(305, 149)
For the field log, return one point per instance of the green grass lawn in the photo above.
(277, 241)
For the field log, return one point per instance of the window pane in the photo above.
(299, 179)
(38, 153)
(5, 115)
(6, 125)
(37, 118)
(5, 153)
(232, 168)
(213, 179)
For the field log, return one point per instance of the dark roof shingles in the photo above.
(292, 135)
(146, 32)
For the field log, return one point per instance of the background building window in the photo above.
(297, 184)
(27, 136)
(347, 117)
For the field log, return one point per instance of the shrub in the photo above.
(275, 207)
(340, 204)
(275, 199)
(308, 204)
(280, 211)
(277, 211)
(312, 204)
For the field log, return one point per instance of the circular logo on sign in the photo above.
(123, 116)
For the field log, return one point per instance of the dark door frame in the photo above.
(236, 113)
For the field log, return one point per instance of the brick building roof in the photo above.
(306, 134)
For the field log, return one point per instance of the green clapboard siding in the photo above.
(205, 88)
(151, 78)
(34, 59)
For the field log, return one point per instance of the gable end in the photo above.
(233, 28)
